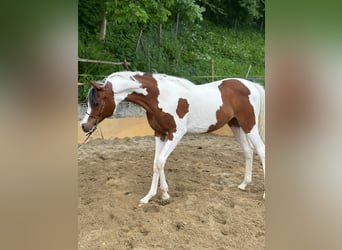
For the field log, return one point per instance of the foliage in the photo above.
(189, 10)
(236, 13)
(188, 53)
(144, 13)
(140, 12)
(89, 17)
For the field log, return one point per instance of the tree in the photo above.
(235, 13)
(90, 14)
(141, 12)
(188, 10)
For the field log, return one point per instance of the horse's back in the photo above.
(214, 104)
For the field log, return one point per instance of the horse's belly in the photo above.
(204, 103)
(198, 130)
(200, 121)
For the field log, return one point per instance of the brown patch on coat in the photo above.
(236, 109)
(110, 104)
(162, 123)
(182, 107)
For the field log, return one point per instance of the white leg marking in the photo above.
(166, 151)
(154, 185)
(248, 152)
(259, 146)
(163, 151)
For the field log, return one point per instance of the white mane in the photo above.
(122, 74)
(180, 82)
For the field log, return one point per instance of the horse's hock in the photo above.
(124, 109)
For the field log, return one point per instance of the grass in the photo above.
(187, 54)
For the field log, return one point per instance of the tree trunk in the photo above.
(177, 24)
(140, 34)
(160, 34)
(262, 26)
(103, 27)
(212, 70)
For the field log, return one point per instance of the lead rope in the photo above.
(89, 134)
(85, 140)
(92, 131)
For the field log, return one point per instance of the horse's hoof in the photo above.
(242, 187)
(143, 201)
(165, 196)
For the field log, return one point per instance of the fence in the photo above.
(125, 64)
(212, 76)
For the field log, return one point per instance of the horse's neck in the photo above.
(140, 97)
(122, 89)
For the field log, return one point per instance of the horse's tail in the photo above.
(261, 124)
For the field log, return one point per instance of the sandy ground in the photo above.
(206, 209)
(128, 127)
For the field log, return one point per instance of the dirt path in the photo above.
(206, 209)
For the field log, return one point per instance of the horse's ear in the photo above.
(96, 85)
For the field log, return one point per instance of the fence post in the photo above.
(125, 64)
(212, 70)
(249, 69)
(140, 34)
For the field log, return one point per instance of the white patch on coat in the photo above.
(124, 84)
(197, 96)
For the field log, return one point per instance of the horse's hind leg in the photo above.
(259, 146)
(248, 152)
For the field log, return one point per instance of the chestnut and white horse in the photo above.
(175, 106)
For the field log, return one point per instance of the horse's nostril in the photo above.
(83, 127)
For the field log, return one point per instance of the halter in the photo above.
(97, 117)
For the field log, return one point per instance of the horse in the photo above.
(175, 106)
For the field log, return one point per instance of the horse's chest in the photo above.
(161, 123)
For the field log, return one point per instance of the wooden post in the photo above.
(125, 64)
(212, 70)
(138, 40)
(103, 27)
(177, 24)
(149, 59)
(179, 56)
(249, 69)
(99, 61)
(160, 34)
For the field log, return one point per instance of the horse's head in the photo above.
(100, 105)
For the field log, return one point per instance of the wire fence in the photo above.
(252, 78)
(211, 77)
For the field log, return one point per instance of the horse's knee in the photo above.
(248, 153)
(159, 163)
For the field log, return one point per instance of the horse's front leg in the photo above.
(163, 150)
(154, 185)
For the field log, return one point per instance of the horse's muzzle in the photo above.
(87, 130)
(83, 126)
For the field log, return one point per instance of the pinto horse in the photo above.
(175, 106)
